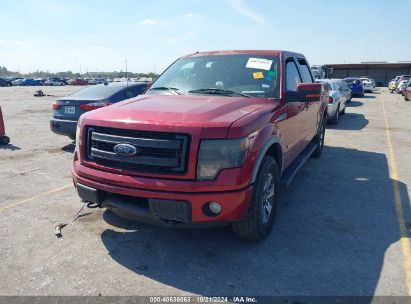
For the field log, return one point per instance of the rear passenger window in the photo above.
(305, 71)
(139, 90)
(292, 76)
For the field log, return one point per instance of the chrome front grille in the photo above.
(158, 152)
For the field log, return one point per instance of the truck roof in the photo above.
(274, 53)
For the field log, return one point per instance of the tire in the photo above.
(343, 111)
(260, 216)
(406, 98)
(4, 140)
(319, 141)
(334, 119)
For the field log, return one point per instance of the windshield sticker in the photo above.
(270, 75)
(259, 63)
(265, 86)
(258, 75)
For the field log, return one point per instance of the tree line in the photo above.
(4, 72)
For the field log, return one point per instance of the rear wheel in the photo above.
(319, 141)
(334, 119)
(260, 216)
(406, 98)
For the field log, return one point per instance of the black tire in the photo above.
(4, 140)
(406, 98)
(343, 111)
(319, 141)
(259, 220)
(334, 119)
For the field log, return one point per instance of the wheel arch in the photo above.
(273, 147)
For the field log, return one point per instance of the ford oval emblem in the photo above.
(125, 149)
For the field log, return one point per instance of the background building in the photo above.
(381, 72)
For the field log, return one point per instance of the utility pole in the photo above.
(126, 73)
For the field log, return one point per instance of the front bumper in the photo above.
(63, 127)
(165, 207)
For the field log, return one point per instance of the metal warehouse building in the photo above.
(381, 72)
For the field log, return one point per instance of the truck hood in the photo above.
(182, 111)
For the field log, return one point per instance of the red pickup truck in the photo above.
(212, 141)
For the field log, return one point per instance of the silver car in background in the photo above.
(367, 83)
(339, 95)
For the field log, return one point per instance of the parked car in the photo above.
(356, 86)
(370, 79)
(16, 81)
(55, 82)
(78, 81)
(67, 110)
(210, 142)
(394, 84)
(407, 91)
(367, 83)
(337, 99)
(29, 82)
(401, 87)
(4, 82)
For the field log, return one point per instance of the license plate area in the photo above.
(168, 210)
(69, 110)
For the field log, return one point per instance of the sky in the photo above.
(100, 35)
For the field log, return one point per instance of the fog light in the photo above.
(214, 207)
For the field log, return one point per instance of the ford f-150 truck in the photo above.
(212, 141)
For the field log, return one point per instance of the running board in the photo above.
(291, 171)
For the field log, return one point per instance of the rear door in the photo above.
(293, 127)
(311, 107)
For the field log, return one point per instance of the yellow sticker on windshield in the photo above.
(258, 75)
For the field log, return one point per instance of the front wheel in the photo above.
(4, 140)
(259, 220)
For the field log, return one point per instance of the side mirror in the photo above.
(306, 92)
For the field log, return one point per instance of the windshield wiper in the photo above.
(166, 89)
(218, 92)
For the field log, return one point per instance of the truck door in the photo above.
(293, 127)
(312, 108)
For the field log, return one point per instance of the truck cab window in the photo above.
(305, 71)
(292, 76)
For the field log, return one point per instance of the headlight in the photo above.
(78, 139)
(221, 154)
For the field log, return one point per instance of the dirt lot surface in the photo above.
(337, 230)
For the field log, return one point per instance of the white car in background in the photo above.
(54, 82)
(337, 99)
(367, 83)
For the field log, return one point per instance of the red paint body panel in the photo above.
(2, 128)
(204, 117)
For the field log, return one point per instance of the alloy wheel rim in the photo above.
(268, 198)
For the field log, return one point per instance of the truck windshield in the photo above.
(225, 75)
